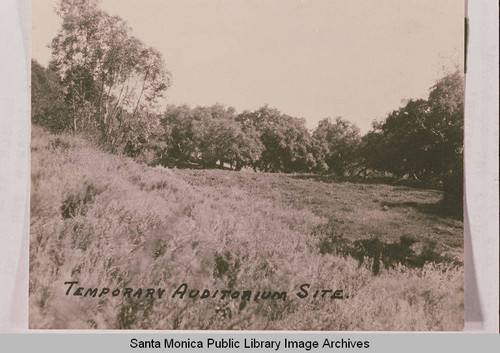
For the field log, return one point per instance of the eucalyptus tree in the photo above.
(285, 139)
(47, 99)
(114, 82)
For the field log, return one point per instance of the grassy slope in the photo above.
(155, 227)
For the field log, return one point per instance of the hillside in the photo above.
(108, 222)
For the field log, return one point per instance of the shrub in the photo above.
(77, 203)
(374, 252)
(57, 143)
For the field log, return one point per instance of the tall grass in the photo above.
(106, 221)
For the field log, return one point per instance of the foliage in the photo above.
(112, 79)
(178, 134)
(264, 139)
(285, 139)
(206, 135)
(47, 99)
(389, 254)
(424, 139)
(223, 140)
(104, 81)
(77, 203)
(234, 229)
(341, 140)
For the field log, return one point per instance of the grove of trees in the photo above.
(104, 82)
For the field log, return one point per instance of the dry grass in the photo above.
(146, 227)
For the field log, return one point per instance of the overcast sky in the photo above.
(312, 59)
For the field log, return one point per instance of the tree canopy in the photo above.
(112, 79)
(103, 80)
(424, 139)
(340, 140)
(286, 140)
(48, 107)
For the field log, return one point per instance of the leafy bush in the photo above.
(58, 143)
(374, 251)
(77, 203)
(48, 107)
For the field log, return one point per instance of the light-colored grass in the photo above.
(155, 227)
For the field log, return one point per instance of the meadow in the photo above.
(107, 221)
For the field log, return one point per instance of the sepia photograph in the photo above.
(247, 165)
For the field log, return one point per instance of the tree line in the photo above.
(103, 82)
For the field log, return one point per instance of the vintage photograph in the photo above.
(247, 165)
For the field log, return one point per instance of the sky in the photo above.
(358, 59)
